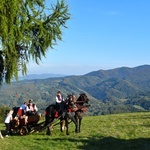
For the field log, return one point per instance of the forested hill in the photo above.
(110, 91)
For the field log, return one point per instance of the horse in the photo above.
(82, 103)
(67, 114)
(80, 106)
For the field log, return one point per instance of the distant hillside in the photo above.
(110, 91)
(40, 76)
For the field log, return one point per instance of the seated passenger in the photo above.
(31, 108)
(22, 110)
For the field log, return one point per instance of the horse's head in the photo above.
(71, 99)
(82, 99)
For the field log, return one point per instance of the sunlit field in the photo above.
(129, 131)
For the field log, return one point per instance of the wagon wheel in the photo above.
(24, 130)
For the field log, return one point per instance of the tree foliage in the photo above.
(27, 30)
(3, 111)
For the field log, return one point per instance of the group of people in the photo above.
(26, 109)
(31, 109)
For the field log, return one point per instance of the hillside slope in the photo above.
(110, 91)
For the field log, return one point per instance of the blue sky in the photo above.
(101, 34)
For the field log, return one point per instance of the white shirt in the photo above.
(59, 100)
(32, 109)
(8, 118)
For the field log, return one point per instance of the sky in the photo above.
(101, 34)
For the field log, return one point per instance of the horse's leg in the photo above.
(75, 121)
(67, 123)
(48, 131)
(62, 126)
(80, 120)
(76, 126)
(67, 127)
(47, 123)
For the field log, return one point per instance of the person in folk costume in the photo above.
(59, 102)
(7, 122)
(31, 108)
(22, 112)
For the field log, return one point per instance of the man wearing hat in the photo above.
(31, 108)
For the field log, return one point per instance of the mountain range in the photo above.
(40, 76)
(110, 91)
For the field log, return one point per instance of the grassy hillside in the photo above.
(130, 131)
(110, 91)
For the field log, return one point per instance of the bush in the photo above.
(3, 112)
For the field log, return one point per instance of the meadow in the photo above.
(128, 131)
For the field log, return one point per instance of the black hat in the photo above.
(30, 100)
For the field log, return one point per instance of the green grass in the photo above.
(130, 131)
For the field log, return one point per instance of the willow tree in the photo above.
(27, 31)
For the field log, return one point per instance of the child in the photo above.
(8, 122)
(22, 110)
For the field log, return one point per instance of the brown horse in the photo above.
(67, 114)
(82, 104)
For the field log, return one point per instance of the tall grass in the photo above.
(130, 131)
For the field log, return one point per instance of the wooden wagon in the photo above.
(26, 124)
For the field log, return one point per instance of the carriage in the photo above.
(20, 124)
(34, 123)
